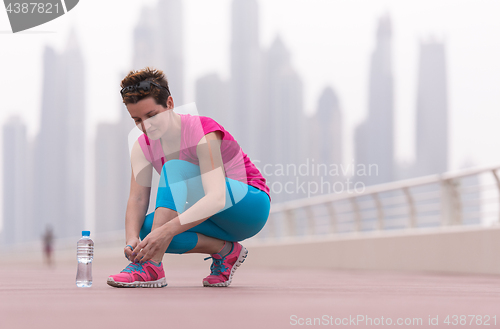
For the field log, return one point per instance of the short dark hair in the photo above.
(160, 95)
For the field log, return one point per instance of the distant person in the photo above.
(48, 244)
(202, 168)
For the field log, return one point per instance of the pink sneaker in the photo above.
(147, 275)
(223, 267)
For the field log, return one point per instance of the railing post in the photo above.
(411, 207)
(451, 209)
(310, 220)
(445, 204)
(357, 214)
(380, 212)
(289, 222)
(495, 174)
(457, 202)
(271, 228)
(333, 217)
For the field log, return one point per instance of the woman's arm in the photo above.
(137, 206)
(214, 185)
(212, 178)
(138, 201)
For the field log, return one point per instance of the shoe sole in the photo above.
(241, 259)
(138, 284)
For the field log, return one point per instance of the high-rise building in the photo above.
(73, 105)
(49, 189)
(330, 125)
(281, 131)
(329, 120)
(432, 110)
(159, 43)
(361, 153)
(375, 137)
(112, 173)
(324, 143)
(246, 110)
(171, 39)
(59, 146)
(212, 98)
(15, 146)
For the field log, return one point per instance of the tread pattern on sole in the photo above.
(138, 284)
(241, 259)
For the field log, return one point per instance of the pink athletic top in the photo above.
(237, 164)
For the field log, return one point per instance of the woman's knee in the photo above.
(178, 166)
(147, 225)
(177, 171)
(174, 163)
(183, 242)
(248, 232)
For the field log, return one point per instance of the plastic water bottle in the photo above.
(85, 255)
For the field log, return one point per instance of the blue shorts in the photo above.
(244, 215)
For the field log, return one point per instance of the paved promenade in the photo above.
(35, 296)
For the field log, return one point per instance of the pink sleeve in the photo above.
(199, 127)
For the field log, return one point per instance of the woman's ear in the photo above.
(170, 102)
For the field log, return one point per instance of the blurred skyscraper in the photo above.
(246, 111)
(432, 110)
(281, 129)
(212, 98)
(362, 148)
(375, 137)
(74, 107)
(49, 189)
(312, 137)
(329, 124)
(324, 143)
(15, 147)
(33, 230)
(159, 43)
(59, 146)
(112, 173)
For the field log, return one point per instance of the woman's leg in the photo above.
(244, 214)
(185, 242)
(206, 245)
(180, 182)
(235, 223)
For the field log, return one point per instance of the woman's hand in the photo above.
(155, 243)
(130, 243)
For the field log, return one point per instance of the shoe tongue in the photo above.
(216, 256)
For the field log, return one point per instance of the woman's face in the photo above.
(150, 118)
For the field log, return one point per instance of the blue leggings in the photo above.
(244, 215)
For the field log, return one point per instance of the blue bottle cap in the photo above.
(85, 233)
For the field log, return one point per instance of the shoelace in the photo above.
(134, 267)
(217, 266)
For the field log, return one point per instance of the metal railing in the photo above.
(466, 197)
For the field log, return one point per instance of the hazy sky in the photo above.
(330, 41)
